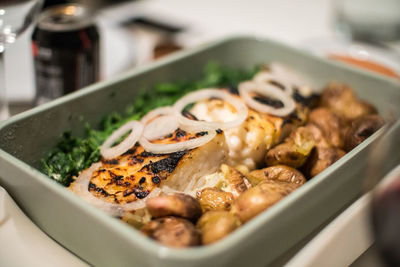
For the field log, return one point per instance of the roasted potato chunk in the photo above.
(173, 232)
(342, 101)
(215, 225)
(361, 129)
(322, 158)
(329, 124)
(259, 198)
(237, 182)
(180, 205)
(280, 173)
(294, 151)
(215, 199)
(136, 218)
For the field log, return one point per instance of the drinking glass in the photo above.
(15, 18)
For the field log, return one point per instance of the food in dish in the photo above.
(191, 172)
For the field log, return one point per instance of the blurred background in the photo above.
(133, 33)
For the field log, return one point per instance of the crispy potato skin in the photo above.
(259, 198)
(361, 129)
(280, 173)
(341, 99)
(180, 205)
(215, 225)
(172, 232)
(294, 151)
(215, 199)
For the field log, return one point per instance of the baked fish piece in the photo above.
(135, 174)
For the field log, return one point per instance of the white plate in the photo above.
(23, 244)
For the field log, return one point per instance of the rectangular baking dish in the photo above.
(104, 241)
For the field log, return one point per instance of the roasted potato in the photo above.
(259, 198)
(322, 158)
(318, 136)
(342, 101)
(280, 173)
(361, 129)
(173, 232)
(329, 124)
(237, 182)
(215, 199)
(294, 151)
(180, 205)
(136, 218)
(215, 225)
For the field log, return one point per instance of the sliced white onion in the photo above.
(267, 90)
(175, 147)
(167, 110)
(198, 126)
(81, 188)
(292, 77)
(266, 77)
(109, 152)
(160, 127)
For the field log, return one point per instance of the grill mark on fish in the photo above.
(156, 179)
(141, 194)
(146, 154)
(167, 164)
(98, 189)
(201, 134)
(180, 133)
(269, 101)
(130, 151)
(111, 161)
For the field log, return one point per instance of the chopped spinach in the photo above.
(73, 154)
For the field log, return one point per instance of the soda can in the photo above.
(65, 45)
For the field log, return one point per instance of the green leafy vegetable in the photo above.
(73, 154)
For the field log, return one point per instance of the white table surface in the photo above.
(290, 21)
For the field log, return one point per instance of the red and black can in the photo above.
(65, 46)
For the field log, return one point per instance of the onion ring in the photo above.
(81, 188)
(266, 77)
(292, 77)
(160, 127)
(198, 126)
(267, 90)
(167, 110)
(175, 147)
(109, 152)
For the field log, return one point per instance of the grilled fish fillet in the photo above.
(136, 173)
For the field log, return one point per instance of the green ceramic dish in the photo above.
(104, 241)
